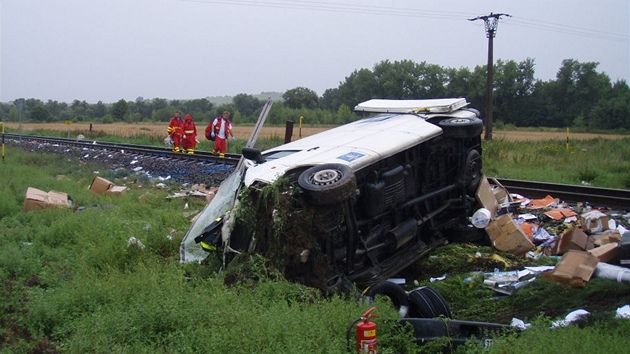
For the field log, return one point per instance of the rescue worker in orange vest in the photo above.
(189, 141)
(221, 129)
(174, 130)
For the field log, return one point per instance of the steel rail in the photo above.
(594, 196)
(199, 155)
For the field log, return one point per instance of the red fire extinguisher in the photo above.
(366, 334)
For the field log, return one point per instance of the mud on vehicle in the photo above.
(354, 204)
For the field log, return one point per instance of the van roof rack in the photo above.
(438, 105)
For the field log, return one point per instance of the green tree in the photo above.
(345, 115)
(119, 109)
(163, 115)
(300, 97)
(56, 108)
(100, 110)
(360, 86)
(614, 111)
(247, 104)
(330, 99)
(578, 86)
(39, 113)
(409, 80)
(514, 82)
(159, 103)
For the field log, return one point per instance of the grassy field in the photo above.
(72, 282)
(158, 131)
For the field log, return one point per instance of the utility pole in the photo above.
(492, 22)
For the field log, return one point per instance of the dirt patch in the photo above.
(243, 132)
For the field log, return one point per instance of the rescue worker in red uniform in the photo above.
(174, 130)
(189, 141)
(221, 129)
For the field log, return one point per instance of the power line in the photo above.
(566, 29)
(416, 13)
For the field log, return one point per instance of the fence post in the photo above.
(288, 131)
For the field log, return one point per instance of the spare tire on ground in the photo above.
(426, 302)
(395, 292)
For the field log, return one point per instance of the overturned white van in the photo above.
(354, 204)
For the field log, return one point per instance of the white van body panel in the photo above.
(356, 144)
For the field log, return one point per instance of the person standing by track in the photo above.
(174, 130)
(220, 128)
(189, 141)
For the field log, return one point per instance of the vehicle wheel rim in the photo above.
(326, 176)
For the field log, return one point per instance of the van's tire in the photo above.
(461, 127)
(328, 183)
(426, 302)
(393, 291)
(473, 170)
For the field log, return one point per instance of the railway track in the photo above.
(202, 156)
(595, 196)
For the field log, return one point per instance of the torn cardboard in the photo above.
(575, 268)
(486, 197)
(38, 199)
(101, 185)
(506, 235)
(116, 190)
(574, 239)
(609, 252)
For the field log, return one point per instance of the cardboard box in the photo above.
(609, 252)
(575, 268)
(505, 235)
(100, 185)
(604, 237)
(38, 199)
(594, 221)
(574, 239)
(486, 198)
(116, 190)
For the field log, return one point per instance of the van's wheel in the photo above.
(473, 170)
(328, 183)
(461, 127)
(426, 302)
(393, 291)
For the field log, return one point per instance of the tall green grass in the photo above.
(598, 162)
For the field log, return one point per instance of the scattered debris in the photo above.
(623, 312)
(135, 242)
(197, 190)
(570, 318)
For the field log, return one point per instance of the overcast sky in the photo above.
(107, 50)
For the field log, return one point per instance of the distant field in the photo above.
(242, 132)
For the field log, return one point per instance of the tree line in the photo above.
(579, 96)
